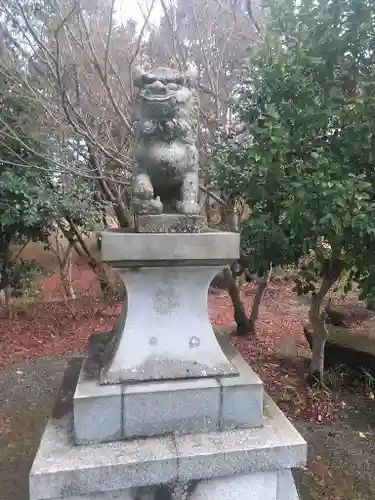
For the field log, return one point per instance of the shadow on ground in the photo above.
(27, 395)
(341, 457)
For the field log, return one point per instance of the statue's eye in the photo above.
(172, 86)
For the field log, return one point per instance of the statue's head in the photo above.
(169, 87)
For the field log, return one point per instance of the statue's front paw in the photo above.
(189, 208)
(147, 207)
(156, 206)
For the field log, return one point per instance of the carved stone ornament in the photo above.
(165, 177)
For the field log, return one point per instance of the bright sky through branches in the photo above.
(137, 10)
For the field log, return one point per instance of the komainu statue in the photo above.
(165, 176)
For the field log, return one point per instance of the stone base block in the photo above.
(169, 223)
(154, 468)
(271, 485)
(105, 413)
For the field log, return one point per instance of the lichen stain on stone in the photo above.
(164, 301)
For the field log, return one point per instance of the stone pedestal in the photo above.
(165, 332)
(218, 465)
(105, 413)
(163, 407)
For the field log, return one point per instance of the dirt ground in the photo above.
(341, 455)
(46, 333)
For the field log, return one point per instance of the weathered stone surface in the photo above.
(162, 407)
(141, 249)
(108, 495)
(61, 469)
(276, 445)
(167, 314)
(254, 486)
(242, 397)
(271, 485)
(169, 223)
(97, 408)
(166, 305)
(182, 407)
(286, 488)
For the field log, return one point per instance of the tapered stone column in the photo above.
(165, 331)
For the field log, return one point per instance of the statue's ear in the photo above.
(138, 74)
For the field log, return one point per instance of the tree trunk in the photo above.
(262, 285)
(8, 302)
(74, 237)
(319, 327)
(231, 216)
(207, 210)
(66, 274)
(240, 317)
(4, 278)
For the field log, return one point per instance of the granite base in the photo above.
(204, 466)
(110, 412)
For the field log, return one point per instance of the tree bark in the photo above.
(319, 327)
(262, 285)
(66, 273)
(75, 238)
(4, 277)
(240, 316)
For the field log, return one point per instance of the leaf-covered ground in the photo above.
(339, 426)
(51, 326)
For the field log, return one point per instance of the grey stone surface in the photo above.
(108, 495)
(97, 408)
(163, 407)
(286, 489)
(254, 486)
(276, 445)
(167, 314)
(169, 223)
(121, 245)
(166, 157)
(171, 407)
(61, 469)
(268, 485)
(242, 396)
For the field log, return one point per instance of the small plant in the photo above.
(336, 377)
(369, 381)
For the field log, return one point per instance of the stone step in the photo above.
(105, 413)
(123, 469)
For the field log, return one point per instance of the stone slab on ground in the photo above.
(105, 413)
(354, 350)
(61, 469)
